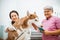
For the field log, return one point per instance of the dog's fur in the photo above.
(24, 20)
(28, 17)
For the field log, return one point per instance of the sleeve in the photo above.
(42, 22)
(11, 27)
(57, 23)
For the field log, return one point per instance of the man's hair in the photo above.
(49, 8)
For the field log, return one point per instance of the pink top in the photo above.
(51, 24)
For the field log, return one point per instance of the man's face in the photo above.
(47, 13)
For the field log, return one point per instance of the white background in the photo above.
(22, 6)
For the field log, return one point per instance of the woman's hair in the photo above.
(13, 11)
(12, 22)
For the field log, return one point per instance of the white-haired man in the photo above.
(51, 25)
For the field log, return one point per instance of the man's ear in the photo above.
(28, 13)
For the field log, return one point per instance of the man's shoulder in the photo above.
(56, 18)
(43, 20)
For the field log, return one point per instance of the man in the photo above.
(51, 25)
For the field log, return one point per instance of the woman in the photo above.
(20, 25)
(14, 29)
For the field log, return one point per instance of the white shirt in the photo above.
(27, 31)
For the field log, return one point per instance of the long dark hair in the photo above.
(13, 11)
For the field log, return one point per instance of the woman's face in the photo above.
(14, 16)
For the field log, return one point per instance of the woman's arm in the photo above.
(7, 30)
(56, 32)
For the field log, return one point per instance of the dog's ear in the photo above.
(34, 12)
(28, 14)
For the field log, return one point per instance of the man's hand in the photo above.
(55, 32)
(35, 27)
(41, 29)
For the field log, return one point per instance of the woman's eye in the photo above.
(12, 16)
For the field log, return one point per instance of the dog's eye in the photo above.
(31, 15)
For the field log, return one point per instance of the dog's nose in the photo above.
(36, 20)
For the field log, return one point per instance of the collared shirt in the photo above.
(51, 24)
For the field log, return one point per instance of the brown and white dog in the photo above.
(23, 24)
